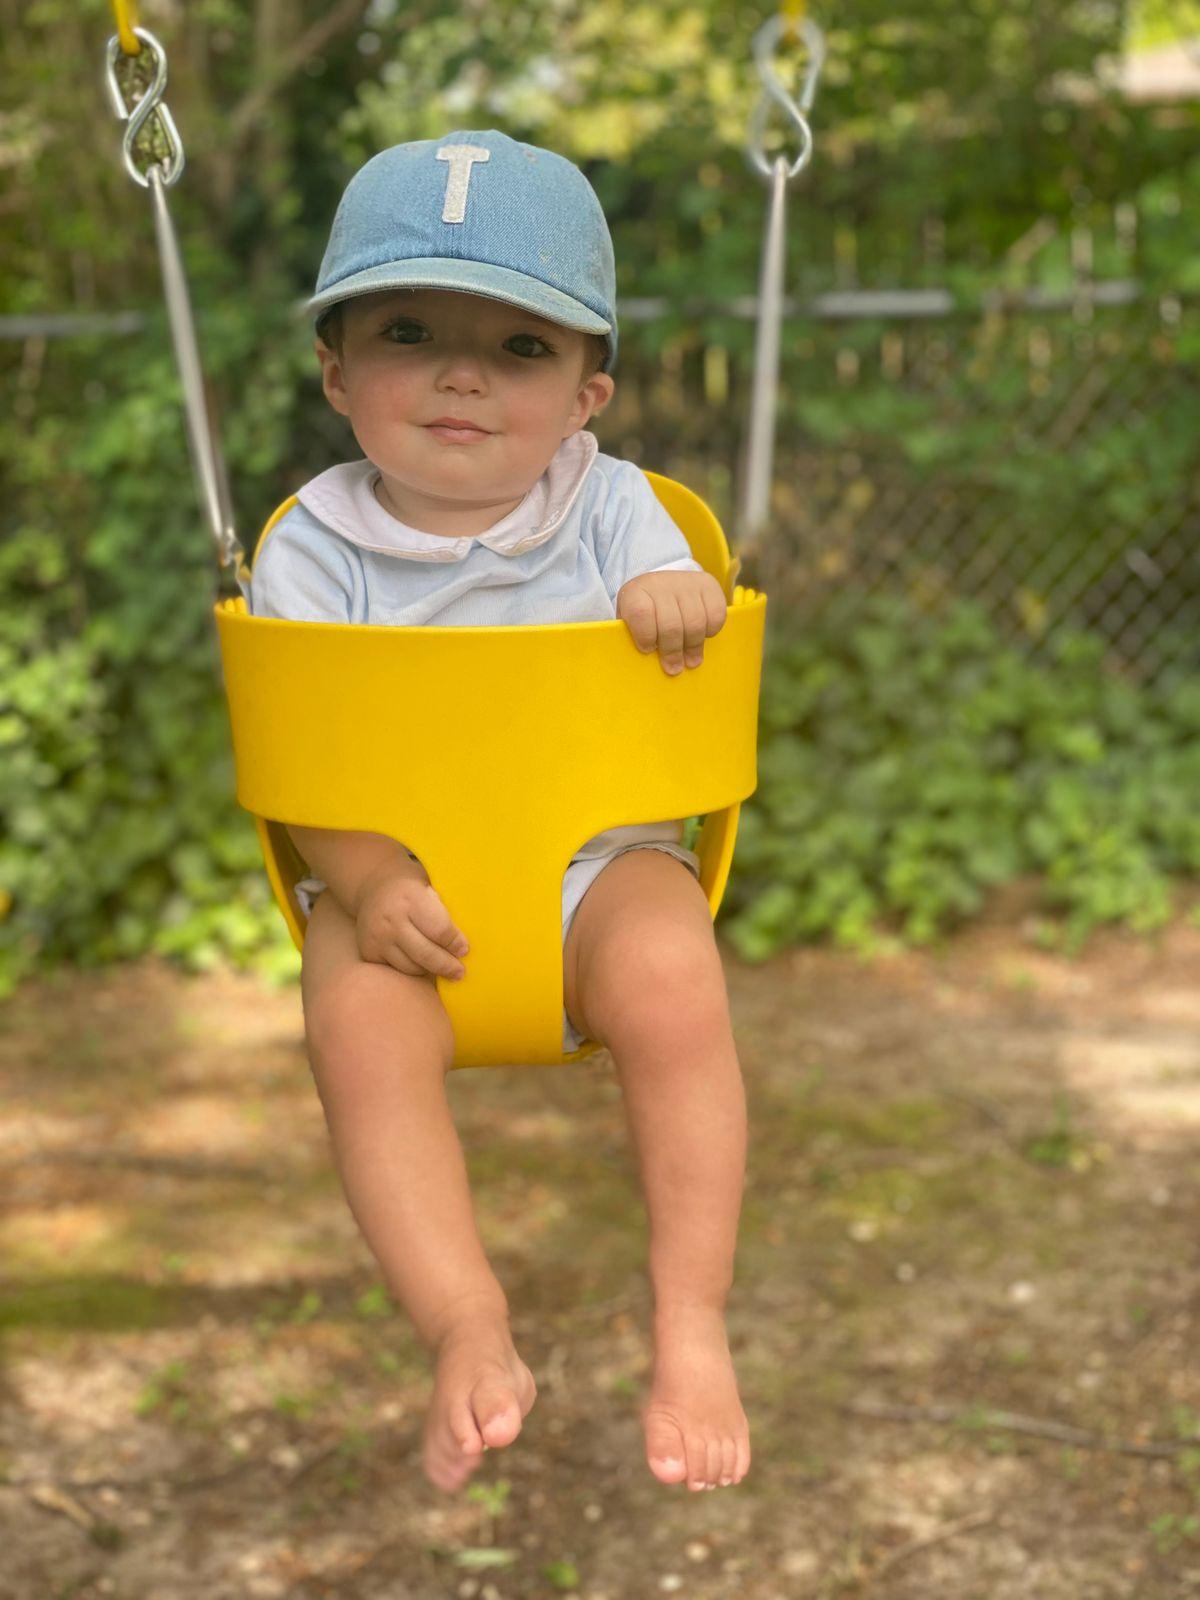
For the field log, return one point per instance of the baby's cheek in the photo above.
(517, 455)
(386, 396)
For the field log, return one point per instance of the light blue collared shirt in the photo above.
(588, 525)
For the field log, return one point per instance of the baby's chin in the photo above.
(421, 491)
(482, 465)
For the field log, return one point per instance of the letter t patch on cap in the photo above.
(460, 157)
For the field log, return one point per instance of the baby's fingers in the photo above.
(430, 958)
(412, 952)
(704, 610)
(432, 932)
(670, 627)
(636, 606)
(716, 607)
(695, 625)
(394, 955)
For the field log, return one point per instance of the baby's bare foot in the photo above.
(482, 1391)
(694, 1423)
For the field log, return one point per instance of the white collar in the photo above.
(343, 497)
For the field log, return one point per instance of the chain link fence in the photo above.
(1037, 454)
(1039, 457)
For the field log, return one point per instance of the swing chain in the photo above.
(208, 462)
(755, 507)
(151, 104)
(765, 42)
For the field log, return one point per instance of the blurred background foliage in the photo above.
(913, 755)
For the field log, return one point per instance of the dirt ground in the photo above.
(964, 1322)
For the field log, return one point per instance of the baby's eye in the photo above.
(531, 338)
(403, 327)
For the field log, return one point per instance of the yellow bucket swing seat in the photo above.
(493, 753)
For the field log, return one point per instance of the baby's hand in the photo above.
(675, 611)
(400, 920)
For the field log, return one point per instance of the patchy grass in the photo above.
(969, 1212)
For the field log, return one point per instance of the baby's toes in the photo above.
(452, 1451)
(464, 1430)
(742, 1464)
(728, 1460)
(699, 1461)
(447, 1474)
(496, 1412)
(664, 1449)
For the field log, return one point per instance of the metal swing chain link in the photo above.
(208, 464)
(151, 104)
(756, 503)
(765, 41)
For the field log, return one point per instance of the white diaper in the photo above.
(584, 868)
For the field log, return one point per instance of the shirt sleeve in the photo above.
(635, 535)
(687, 564)
(303, 575)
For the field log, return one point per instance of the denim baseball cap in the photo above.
(482, 213)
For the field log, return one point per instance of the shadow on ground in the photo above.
(964, 1321)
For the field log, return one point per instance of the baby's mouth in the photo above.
(455, 435)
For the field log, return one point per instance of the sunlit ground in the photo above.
(964, 1320)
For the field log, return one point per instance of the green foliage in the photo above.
(907, 766)
(1154, 22)
(118, 831)
(374, 1303)
(562, 1574)
(911, 761)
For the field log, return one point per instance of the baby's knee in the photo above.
(675, 983)
(355, 1008)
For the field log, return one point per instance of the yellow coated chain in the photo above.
(792, 12)
(125, 12)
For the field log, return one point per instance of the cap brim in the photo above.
(467, 277)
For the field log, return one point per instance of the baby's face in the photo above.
(413, 356)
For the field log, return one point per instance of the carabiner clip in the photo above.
(150, 103)
(765, 40)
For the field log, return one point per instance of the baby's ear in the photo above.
(601, 387)
(332, 378)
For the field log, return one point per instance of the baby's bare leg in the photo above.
(380, 1045)
(642, 974)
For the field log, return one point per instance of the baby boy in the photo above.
(466, 327)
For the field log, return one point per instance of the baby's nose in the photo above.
(465, 367)
(462, 388)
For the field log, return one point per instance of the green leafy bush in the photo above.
(119, 833)
(912, 760)
(909, 763)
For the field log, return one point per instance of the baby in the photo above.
(466, 327)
